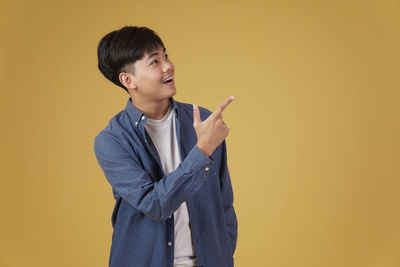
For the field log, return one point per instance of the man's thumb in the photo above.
(196, 114)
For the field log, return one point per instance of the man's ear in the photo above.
(128, 80)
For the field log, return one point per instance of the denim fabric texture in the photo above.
(146, 198)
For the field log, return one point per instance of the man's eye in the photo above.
(154, 61)
(166, 55)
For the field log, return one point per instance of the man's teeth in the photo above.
(167, 80)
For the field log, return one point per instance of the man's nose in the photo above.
(167, 66)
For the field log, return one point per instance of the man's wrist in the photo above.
(203, 150)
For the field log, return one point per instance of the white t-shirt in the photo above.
(163, 134)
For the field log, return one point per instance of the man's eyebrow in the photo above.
(154, 54)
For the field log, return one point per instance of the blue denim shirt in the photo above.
(146, 198)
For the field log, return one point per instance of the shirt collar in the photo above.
(138, 116)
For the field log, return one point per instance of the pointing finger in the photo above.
(223, 105)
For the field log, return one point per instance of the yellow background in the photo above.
(313, 149)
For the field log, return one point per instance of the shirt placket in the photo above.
(170, 221)
(191, 211)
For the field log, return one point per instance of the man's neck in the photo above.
(153, 110)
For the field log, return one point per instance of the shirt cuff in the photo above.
(199, 162)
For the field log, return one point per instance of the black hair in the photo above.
(119, 50)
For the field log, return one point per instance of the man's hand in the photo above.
(211, 132)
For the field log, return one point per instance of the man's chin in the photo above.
(173, 92)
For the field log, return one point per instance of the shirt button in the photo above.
(169, 244)
(136, 123)
(207, 169)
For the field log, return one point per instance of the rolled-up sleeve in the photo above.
(156, 199)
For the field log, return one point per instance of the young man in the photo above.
(166, 162)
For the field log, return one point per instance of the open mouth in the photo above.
(168, 80)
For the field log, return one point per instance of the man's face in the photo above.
(150, 74)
